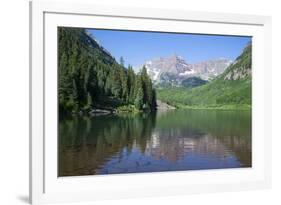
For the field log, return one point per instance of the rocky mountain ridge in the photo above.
(174, 69)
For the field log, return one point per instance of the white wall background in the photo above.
(14, 100)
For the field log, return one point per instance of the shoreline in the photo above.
(163, 107)
(223, 107)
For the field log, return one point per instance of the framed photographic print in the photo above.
(130, 102)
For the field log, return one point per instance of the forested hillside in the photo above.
(89, 77)
(232, 89)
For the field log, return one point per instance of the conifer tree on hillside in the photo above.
(89, 76)
(122, 61)
(139, 98)
(131, 84)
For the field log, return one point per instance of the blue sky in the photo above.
(138, 47)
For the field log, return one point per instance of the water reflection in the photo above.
(173, 140)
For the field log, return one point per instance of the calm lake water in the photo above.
(166, 141)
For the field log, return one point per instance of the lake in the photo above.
(170, 140)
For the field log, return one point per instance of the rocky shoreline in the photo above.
(164, 106)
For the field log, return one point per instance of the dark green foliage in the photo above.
(193, 82)
(90, 77)
(139, 102)
(154, 98)
(145, 97)
(131, 84)
(147, 89)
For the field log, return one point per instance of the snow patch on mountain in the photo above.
(187, 72)
(174, 69)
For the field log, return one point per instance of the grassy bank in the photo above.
(215, 107)
(218, 94)
(128, 108)
(133, 109)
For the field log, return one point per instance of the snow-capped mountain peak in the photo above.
(174, 69)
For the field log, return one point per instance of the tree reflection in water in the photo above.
(174, 140)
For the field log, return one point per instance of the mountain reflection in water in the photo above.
(166, 141)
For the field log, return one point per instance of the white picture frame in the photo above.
(46, 187)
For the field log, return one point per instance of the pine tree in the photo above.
(116, 84)
(88, 74)
(139, 99)
(147, 89)
(131, 84)
(154, 100)
(139, 93)
(92, 83)
(122, 61)
(124, 84)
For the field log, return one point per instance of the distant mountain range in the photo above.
(232, 89)
(175, 71)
